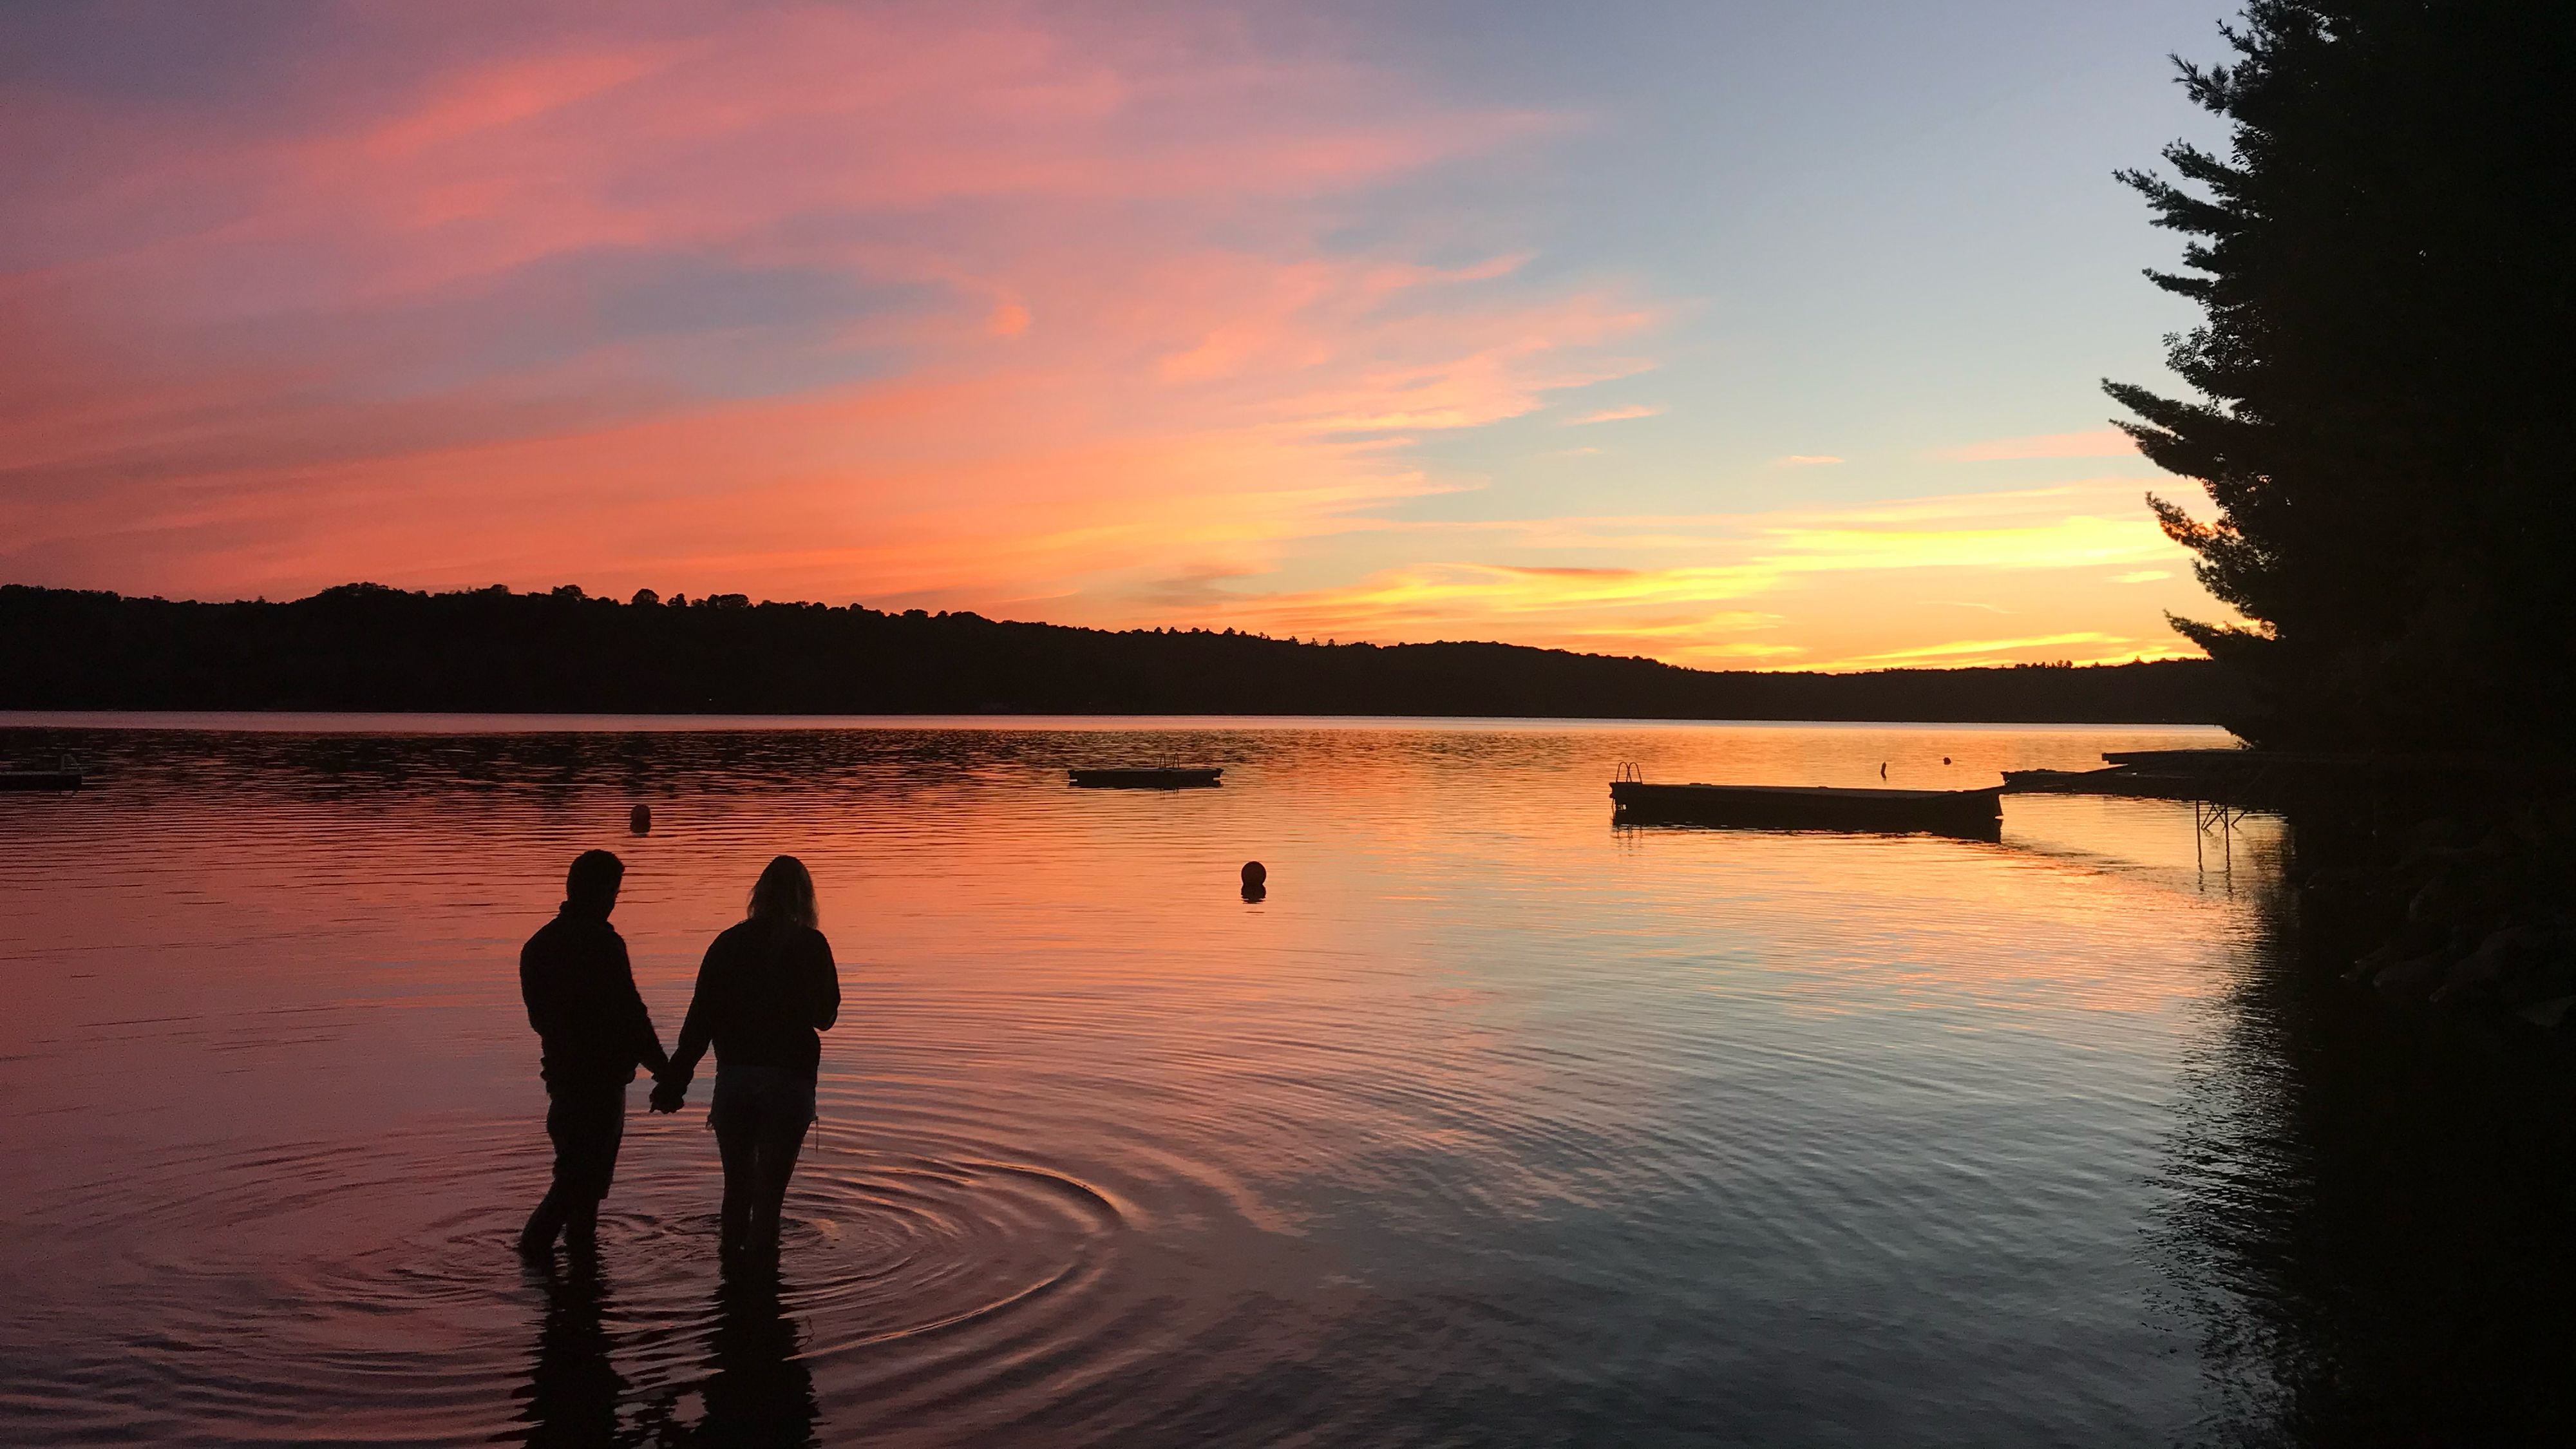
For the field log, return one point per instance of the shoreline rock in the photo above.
(2469, 908)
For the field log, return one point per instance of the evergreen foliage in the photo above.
(2386, 262)
(366, 647)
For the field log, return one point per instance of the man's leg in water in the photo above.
(543, 1224)
(548, 1220)
(587, 1124)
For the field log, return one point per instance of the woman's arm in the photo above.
(823, 999)
(699, 1028)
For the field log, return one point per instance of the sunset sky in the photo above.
(1735, 334)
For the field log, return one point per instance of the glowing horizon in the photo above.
(1104, 315)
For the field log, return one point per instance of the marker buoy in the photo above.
(641, 822)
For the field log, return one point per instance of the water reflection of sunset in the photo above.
(1473, 1027)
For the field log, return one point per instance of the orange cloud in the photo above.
(1957, 653)
(1867, 586)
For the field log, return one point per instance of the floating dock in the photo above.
(1974, 814)
(2274, 779)
(1187, 778)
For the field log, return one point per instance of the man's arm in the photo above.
(648, 1042)
(538, 993)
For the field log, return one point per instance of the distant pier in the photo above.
(2279, 779)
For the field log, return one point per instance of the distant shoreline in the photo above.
(288, 721)
(368, 649)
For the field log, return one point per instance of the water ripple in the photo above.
(1492, 1124)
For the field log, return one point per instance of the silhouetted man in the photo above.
(581, 998)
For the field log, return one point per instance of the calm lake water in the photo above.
(1494, 1124)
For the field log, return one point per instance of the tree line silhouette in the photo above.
(369, 647)
(2386, 263)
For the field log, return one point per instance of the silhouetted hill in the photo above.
(367, 647)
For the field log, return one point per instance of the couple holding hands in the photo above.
(765, 991)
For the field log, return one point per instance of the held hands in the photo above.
(669, 1093)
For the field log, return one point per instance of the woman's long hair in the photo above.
(784, 892)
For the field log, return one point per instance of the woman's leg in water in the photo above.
(737, 1142)
(780, 1144)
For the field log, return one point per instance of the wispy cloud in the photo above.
(1963, 652)
(1616, 415)
(1866, 586)
(1112, 317)
(982, 298)
(2100, 443)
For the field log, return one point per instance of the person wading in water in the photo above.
(580, 992)
(765, 991)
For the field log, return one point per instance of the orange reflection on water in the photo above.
(1477, 1046)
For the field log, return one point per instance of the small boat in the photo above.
(2126, 781)
(1977, 814)
(1147, 778)
(66, 777)
(2064, 782)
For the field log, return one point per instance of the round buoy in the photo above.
(1256, 880)
(641, 822)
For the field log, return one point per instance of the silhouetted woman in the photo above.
(765, 989)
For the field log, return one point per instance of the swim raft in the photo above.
(1192, 777)
(1977, 813)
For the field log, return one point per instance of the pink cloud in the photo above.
(1616, 415)
(982, 300)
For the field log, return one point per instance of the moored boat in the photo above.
(1974, 813)
(66, 778)
(2065, 782)
(1147, 778)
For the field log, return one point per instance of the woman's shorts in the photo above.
(761, 1097)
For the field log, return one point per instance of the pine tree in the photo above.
(2386, 263)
